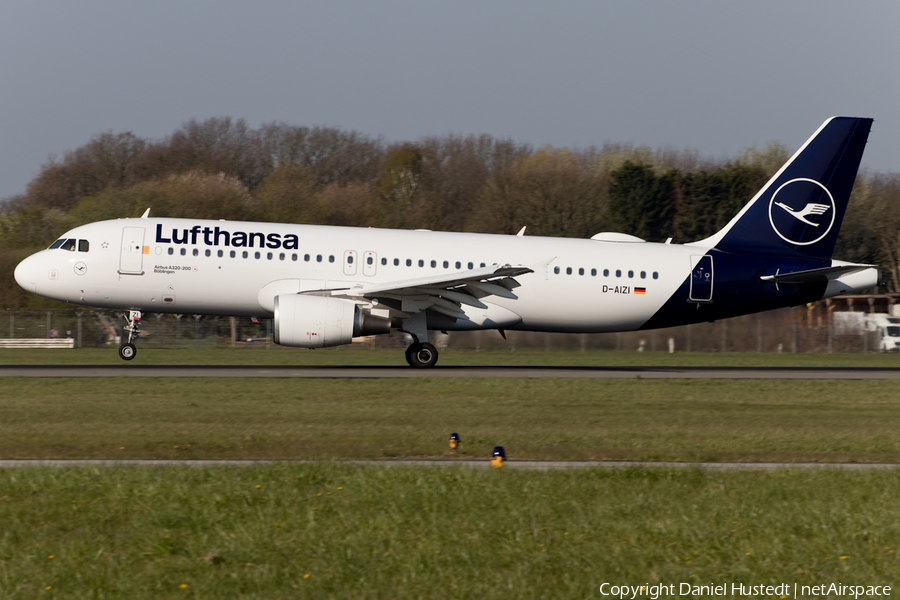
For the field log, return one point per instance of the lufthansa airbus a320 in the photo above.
(322, 286)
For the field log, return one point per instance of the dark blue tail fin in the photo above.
(799, 211)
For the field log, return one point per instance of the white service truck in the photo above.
(887, 330)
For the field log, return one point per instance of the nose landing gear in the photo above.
(127, 351)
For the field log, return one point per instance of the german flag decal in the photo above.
(641, 291)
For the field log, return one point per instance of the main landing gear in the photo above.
(421, 355)
(127, 351)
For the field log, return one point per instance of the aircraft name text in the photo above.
(169, 269)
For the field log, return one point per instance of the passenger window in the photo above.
(396, 262)
(281, 256)
(606, 272)
(269, 255)
(256, 255)
(458, 265)
(318, 258)
(408, 262)
(482, 265)
(209, 252)
(580, 271)
(471, 266)
(568, 270)
(83, 245)
(232, 254)
(294, 257)
(556, 270)
(421, 263)
(446, 264)
(56, 244)
(593, 272)
(630, 274)
(350, 260)
(433, 264)
(171, 250)
(655, 275)
(244, 254)
(369, 260)
(306, 257)
(618, 273)
(331, 258)
(196, 252)
(643, 274)
(220, 253)
(383, 261)
(183, 251)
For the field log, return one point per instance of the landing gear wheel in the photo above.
(127, 351)
(421, 356)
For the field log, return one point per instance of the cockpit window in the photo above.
(56, 244)
(83, 245)
(893, 331)
(69, 245)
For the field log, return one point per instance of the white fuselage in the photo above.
(577, 285)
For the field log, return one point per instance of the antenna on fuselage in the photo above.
(146, 214)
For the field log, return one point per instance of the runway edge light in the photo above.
(498, 456)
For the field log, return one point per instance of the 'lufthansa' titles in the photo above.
(214, 236)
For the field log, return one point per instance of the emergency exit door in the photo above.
(370, 263)
(350, 262)
(131, 255)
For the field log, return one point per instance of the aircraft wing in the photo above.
(816, 275)
(444, 293)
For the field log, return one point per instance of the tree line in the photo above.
(221, 168)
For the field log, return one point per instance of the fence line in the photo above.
(785, 330)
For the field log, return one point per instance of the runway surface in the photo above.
(276, 372)
(443, 462)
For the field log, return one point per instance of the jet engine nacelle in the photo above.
(317, 321)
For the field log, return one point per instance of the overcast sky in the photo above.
(712, 76)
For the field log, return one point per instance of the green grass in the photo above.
(406, 532)
(685, 420)
(361, 356)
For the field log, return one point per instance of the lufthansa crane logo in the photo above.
(802, 211)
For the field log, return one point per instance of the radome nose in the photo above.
(25, 274)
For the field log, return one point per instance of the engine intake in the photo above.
(319, 322)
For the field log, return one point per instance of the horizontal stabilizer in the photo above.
(816, 275)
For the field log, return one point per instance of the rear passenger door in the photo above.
(702, 279)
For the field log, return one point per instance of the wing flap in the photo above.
(445, 293)
(444, 280)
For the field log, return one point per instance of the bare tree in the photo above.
(104, 162)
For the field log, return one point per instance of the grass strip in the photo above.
(565, 419)
(339, 531)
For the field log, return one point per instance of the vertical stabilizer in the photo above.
(799, 211)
